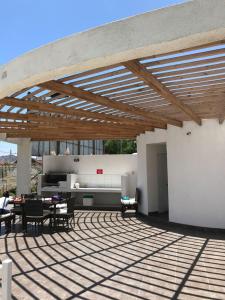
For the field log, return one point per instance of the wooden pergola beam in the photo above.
(141, 72)
(52, 108)
(56, 136)
(65, 138)
(66, 123)
(70, 90)
(29, 128)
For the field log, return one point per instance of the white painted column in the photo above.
(23, 177)
(6, 268)
(142, 174)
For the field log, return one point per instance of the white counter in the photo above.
(81, 190)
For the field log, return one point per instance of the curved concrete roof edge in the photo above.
(172, 28)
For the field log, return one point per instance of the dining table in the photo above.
(48, 204)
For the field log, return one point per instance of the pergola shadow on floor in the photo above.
(108, 257)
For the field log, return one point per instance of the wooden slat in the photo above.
(65, 130)
(131, 92)
(102, 77)
(135, 95)
(153, 82)
(69, 138)
(192, 81)
(51, 108)
(188, 64)
(208, 87)
(39, 135)
(116, 86)
(69, 123)
(77, 92)
(210, 73)
(111, 92)
(87, 73)
(189, 56)
(197, 71)
(126, 79)
(61, 132)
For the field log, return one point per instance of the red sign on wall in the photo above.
(99, 171)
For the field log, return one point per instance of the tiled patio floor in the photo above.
(107, 257)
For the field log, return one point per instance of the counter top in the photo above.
(82, 190)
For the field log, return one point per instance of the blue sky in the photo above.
(27, 24)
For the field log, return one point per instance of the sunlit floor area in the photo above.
(106, 256)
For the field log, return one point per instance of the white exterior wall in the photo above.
(196, 172)
(196, 168)
(23, 175)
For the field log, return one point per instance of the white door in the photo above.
(162, 183)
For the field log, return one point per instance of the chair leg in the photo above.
(25, 226)
(7, 225)
(123, 210)
(50, 222)
(42, 225)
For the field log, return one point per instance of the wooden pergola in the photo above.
(121, 101)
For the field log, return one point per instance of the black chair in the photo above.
(7, 218)
(131, 203)
(34, 213)
(65, 216)
(31, 196)
(65, 195)
(17, 209)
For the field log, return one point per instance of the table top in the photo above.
(44, 200)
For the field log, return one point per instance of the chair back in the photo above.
(70, 205)
(32, 196)
(65, 195)
(138, 195)
(33, 208)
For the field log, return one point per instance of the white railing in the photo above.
(6, 274)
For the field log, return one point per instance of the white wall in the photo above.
(196, 172)
(196, 168)
(88, 164)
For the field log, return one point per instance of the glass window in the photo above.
(35, 148)
(62, 147)
(75, 148)
(70, 146)
(86, 147)
(81, 147)
(52, 146)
